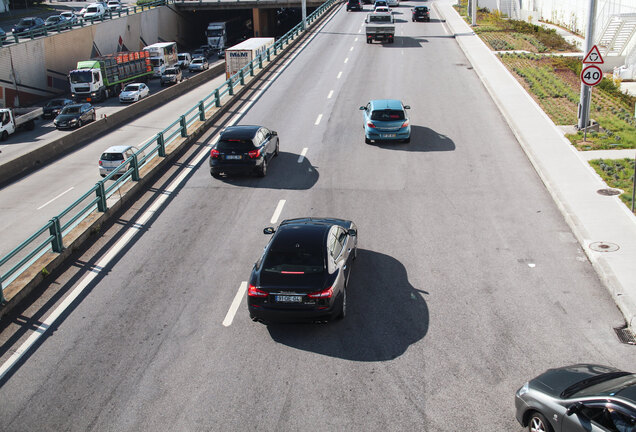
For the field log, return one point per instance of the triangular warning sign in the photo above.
(594, 56)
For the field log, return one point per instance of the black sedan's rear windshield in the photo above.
(294, 261)
(387, 115)
(241, 145)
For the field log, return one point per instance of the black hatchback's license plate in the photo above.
(235, 157)
(289, 299)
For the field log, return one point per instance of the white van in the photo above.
(114, 156)
(94, 11)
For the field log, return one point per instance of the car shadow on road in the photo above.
(385, 315)
(283, 172)
(423, 139)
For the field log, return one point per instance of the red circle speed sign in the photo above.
(591, 75)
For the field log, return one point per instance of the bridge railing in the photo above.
(99, 198)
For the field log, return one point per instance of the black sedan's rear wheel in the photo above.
(538, 423)
(342, 310)
(262, 172)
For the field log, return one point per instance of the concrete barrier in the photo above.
(22, 165)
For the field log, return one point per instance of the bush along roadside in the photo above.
(618, 174)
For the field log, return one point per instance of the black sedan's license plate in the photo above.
(289, 299)
(235, 157)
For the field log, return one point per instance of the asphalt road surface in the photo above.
(467, 283)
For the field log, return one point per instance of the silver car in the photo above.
(198, 64)
(579, 398)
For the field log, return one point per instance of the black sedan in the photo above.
(243, 149)
(75, 116)
(304, 271)
(54, 106)
(579, 398)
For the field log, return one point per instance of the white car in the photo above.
(383, 9)
(134, 92)
(70, 16)
(114, 6)
(183, 60)
(114, 156)
(198, 64)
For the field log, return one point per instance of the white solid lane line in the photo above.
(318, 120)
(302, 155)
(235, 304)
(49, 202)
(330, 94)
(279, 208)
(339, 75)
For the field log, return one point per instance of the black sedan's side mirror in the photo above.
(269, 230)
(352, 232)
(574, 408)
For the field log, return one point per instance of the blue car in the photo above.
(386, 120)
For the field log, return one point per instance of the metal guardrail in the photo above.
(50, 238)
(62, 26)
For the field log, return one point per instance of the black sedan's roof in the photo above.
(239, 132)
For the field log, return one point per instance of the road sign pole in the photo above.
(473, 12)
(584, 104)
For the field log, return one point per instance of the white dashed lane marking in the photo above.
(279, 208)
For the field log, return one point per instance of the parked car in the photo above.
(114, 156)
(578, 398)
(54, 106)
(75, 116)
(304, 271)
(354, 5)
(70, 17)
(114, 6)
(386, 119)
(95, 11)
(171, 75)
(243, 149)
(198, 64)
(421, 13)
(3, 36)
(30, 24)
(134, 92)
(183, 60)
(54, 21)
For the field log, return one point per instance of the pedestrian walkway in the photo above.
(594, 218)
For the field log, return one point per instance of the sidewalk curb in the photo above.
(607, 275)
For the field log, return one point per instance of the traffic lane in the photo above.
(407, 377)
(23, 141)
(22, 200)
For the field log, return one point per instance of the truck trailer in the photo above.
(240, 55)
(12, 119)
(105, 76)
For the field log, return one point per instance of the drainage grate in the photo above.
(625, 335)
(609, 192)
(604, 247)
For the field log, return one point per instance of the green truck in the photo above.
(105, 76)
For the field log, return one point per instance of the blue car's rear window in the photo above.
(387, 115)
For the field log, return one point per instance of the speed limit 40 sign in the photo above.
(591, 75)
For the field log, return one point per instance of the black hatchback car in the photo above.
(54, 106)
(304, 271)
(243, 149)
(579, 398)
(31, 24)
(421, 13)
(354, 5)
(75, 116)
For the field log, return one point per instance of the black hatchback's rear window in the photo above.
(242, 145)
(421, 8)
(112, 156)
(387, 115)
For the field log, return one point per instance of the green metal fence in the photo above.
(50, 238)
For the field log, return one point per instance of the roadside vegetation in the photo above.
(618, 174)
(553, 80)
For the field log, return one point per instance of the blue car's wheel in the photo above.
(367, 140)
